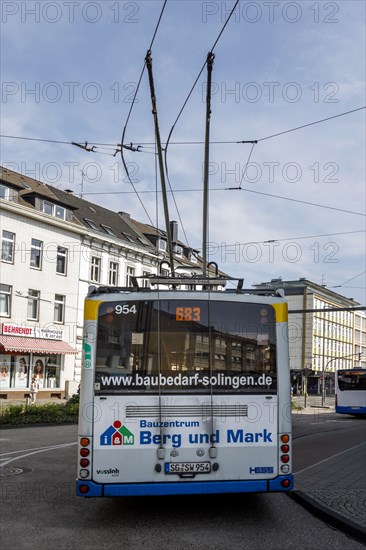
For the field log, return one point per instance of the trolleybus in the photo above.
(184, 392)
(350, 391)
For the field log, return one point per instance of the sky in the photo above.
(291, 205)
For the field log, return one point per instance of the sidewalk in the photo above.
(335, 487)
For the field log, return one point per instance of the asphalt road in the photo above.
(39, 509)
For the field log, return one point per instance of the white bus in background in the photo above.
(184, 392)
(350, 391)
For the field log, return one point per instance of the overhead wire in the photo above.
(222, 142)
(195, 190)
(182, 109)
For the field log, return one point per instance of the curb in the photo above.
(333, 518)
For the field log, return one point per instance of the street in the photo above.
(40, 509)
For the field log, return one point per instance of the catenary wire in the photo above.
(195, 190)
(223, 142)
(182, 109)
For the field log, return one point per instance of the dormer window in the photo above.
(7, 193)
(178, 250)
(54, 210)
(162, 245)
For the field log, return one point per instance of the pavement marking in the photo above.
(329, 458)
(34, 448)
(45, 449)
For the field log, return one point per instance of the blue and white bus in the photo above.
(184, 392)
(350, 392)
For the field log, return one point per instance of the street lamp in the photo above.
(326, 366)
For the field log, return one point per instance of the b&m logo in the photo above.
(117, 435)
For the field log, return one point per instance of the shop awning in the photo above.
(34, 345)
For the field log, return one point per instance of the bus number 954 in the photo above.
(125, 309)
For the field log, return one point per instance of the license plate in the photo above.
(187, 467)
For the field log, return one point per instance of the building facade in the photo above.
(54, 245)
(323, 335)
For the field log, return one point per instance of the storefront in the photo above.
(37, 353)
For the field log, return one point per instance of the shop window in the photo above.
(5, 300)
(59, 311)
(16, 371)
(20, 378)
(7, 247)
(36, 254)
(61, 261)
(33, 304)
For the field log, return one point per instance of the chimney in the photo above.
(173, 231)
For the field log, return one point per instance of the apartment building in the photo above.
(54, 245)
(321, 341)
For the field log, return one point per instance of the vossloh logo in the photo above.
(110, 471)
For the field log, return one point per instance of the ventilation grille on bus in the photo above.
(202, 411)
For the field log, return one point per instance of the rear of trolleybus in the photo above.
(184, 393)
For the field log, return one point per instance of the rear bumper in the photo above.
(182, 488)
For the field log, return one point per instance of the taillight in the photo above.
(284, 456)
(84, 463)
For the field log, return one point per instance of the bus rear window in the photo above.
(195, 346)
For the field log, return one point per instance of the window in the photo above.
(33, 304)
(95, 269)
(178, 250)
(108, 229)
(129, 274)
(146, 282)
(162, 244)
(91, 224)
(7, 247)
(113, 273)
(5, 300)
(54, 210)
(129, 237)
(36, 254)
(4, 192)
(61, 262)
(59, 311)
(141, 241)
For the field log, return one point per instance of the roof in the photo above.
(100, 219)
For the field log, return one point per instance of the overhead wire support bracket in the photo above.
(148, 61)
(85, 146)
